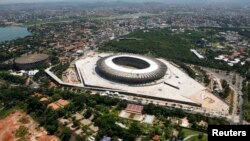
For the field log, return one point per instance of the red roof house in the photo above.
(132, 108)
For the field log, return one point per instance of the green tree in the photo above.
(200, 136)
(135, 128)
(168, 132)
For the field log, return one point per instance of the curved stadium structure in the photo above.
(30, 61)
(143, 79)
(132, 69)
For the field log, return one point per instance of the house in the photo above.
(44, 99)
(53, 106)
(133, 112)
(132, 108)
(62, 102)
(37, 95)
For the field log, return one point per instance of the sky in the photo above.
(171, 1)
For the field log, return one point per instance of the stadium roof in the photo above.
(152, 65)
(31, 58)
(131, 69)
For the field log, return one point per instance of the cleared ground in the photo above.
(70, 76)
(10, 128)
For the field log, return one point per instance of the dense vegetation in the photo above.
(105, 110)
(187, 69)
(59, 69)
(164, 43)
(174, 46)
(11, 78)
(246, 102)
(193, 118)
(157, 42)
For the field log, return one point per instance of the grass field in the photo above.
(195, 138)
(188, 132)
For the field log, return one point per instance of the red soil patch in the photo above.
(11, 123)
(47, 138)
(7, 137)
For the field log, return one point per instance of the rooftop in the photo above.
(134, 108)
(31, 58)
(152, 65)
(62, 102)
(53, 106)
(58, 104)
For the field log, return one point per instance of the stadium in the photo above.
(143, 79)
(30, 61)
(131, 69)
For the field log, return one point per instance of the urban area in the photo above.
(122, 70)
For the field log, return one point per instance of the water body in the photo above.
(13, 32)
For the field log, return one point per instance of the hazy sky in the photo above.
(172, 1)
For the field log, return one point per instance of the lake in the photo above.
(13, 32)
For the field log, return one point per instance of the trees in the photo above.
(135, 128)
(159, 42)
(34, 105)
(39, 75)
(159, 110)
(223, 83)
(65, 134)
(5, 66)
(200, 136)
(107, 126)
(227, 92)
(168, 132)
(11, 78)
(181, 134)
(51, 129)
(188, 70)
(15, 95)
(206, 79)
(76, 123)
(122, 105)
(88, 113)
(106, 121)
(21, 131)
(174, 47)
(246, 102)
(54, 59)
(59, 69)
